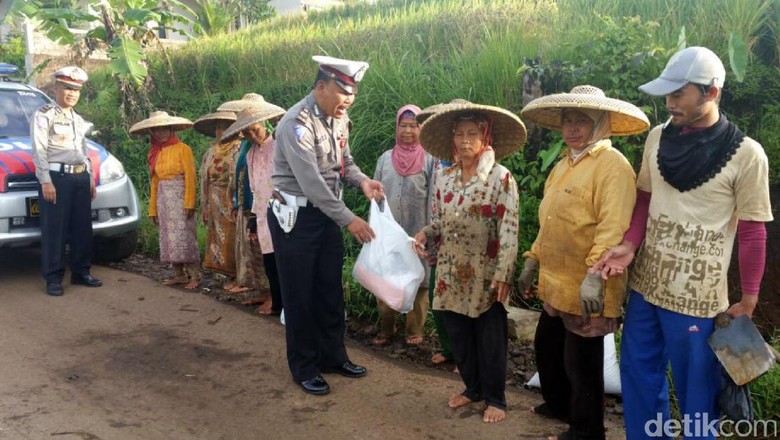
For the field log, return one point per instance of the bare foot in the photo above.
(255, 300)
(192, 284)
(238, 289)
(455, 370)
(493, 415)
(458, 400)
(380, 340)
(266, 308)
(173, 281)
(228, 286)
(414, 340)
(439, 358)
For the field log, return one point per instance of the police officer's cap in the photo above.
(346, 73)
(71, 76)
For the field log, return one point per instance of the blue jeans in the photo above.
(652, 339)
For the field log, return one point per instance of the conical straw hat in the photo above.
(252, 116)
(207, 124)
(160, 119)
(427, 112)
(625, 118)
(248, 101)
(436, 133)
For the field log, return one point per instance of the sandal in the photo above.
(414, 340)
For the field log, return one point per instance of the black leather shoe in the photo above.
(54, 289)
(316, 386)
(86, 280)
(347, 369)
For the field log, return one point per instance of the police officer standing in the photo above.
(67, 184)
(311, 160)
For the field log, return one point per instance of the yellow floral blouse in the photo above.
(475, 226)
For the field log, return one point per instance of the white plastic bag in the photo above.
(611, 369)
(387, 265)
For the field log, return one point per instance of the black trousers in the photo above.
(269, 262)
(480, 348)
(69, 220)
(571, 372)
(309, 261)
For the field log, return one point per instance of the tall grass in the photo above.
(422, 52)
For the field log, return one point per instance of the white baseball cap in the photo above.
(697, 65)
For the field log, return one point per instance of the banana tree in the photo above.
(124, 28)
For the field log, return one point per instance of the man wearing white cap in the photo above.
(702, 182)
(64, 171)
(311, 160)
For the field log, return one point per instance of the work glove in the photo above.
(591, 295)
(527, 276)
(251, 224)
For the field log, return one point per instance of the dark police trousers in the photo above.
(309, 261)
(67, 221)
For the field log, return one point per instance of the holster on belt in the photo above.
(278, 197)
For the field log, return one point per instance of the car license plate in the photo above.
(33, 207)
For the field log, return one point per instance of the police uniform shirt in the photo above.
(312, 157)
(57, 136)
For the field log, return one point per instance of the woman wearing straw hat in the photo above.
(445, 355)
(173, 193)
(406, 172)
(216, 170)
(252, 193)
(476, 224)
(588, 199)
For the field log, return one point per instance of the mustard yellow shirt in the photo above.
(586, 209)
(174, 160)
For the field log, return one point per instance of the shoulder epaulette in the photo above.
(46, 107)
(303, 115)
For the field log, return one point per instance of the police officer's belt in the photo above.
(65, 168)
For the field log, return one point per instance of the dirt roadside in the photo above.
(136, 360)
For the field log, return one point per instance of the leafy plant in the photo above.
(122, 27)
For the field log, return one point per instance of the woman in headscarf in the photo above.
(253, 190)
(476, 224)
(588, 200)
(406, 172)
(173, 194)
(216, 167)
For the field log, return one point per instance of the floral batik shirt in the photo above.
(477, 225)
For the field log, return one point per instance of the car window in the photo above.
(16, 109)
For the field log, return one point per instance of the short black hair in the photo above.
(321, 76)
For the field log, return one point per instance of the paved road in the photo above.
(136, 360)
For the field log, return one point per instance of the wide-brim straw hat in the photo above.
(436, 134)
(207, 124)
(427, 112)
(250, 100)
(160, 119)
(251, 116)
(626, 118)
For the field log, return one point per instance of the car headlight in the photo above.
(110, 170)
